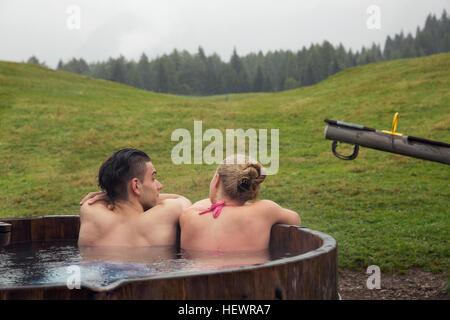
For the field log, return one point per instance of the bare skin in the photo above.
(244, 226)
(147, 218)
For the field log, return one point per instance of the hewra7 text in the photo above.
(245, 309)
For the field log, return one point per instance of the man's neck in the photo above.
(128, 207)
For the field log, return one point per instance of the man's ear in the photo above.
(135, 186)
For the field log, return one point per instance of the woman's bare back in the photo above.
(245, 227)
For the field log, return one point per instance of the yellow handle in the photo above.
(394, 126)
(395, 122)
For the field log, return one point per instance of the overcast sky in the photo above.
(98, 29)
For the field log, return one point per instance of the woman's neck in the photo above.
(228, 201)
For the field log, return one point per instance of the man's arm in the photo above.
(102, 197)
(202, 204)
(185, 202)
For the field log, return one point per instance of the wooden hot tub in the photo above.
(311, 273)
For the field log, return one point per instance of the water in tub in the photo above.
(51, 263)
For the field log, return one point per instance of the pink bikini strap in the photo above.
(216, 208)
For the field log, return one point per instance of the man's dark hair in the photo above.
(119, 169)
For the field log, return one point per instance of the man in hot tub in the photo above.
(131, 211)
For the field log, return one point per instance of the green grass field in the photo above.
(383, 209)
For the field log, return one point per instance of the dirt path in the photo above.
(414, 285)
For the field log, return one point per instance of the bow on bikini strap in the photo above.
(216, 208)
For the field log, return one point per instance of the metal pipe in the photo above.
(390, 143)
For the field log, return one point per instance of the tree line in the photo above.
(181, 72)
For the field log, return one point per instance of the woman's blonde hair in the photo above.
(241, 177)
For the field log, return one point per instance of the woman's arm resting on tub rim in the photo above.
(278, 214)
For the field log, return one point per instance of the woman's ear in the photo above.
(217, 177)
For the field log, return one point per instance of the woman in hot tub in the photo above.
(227, 221)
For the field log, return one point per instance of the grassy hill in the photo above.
(56, 129)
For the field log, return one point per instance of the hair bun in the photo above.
(244, 185)
(241, 177)
(256, 173)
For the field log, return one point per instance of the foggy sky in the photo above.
(108, 28)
